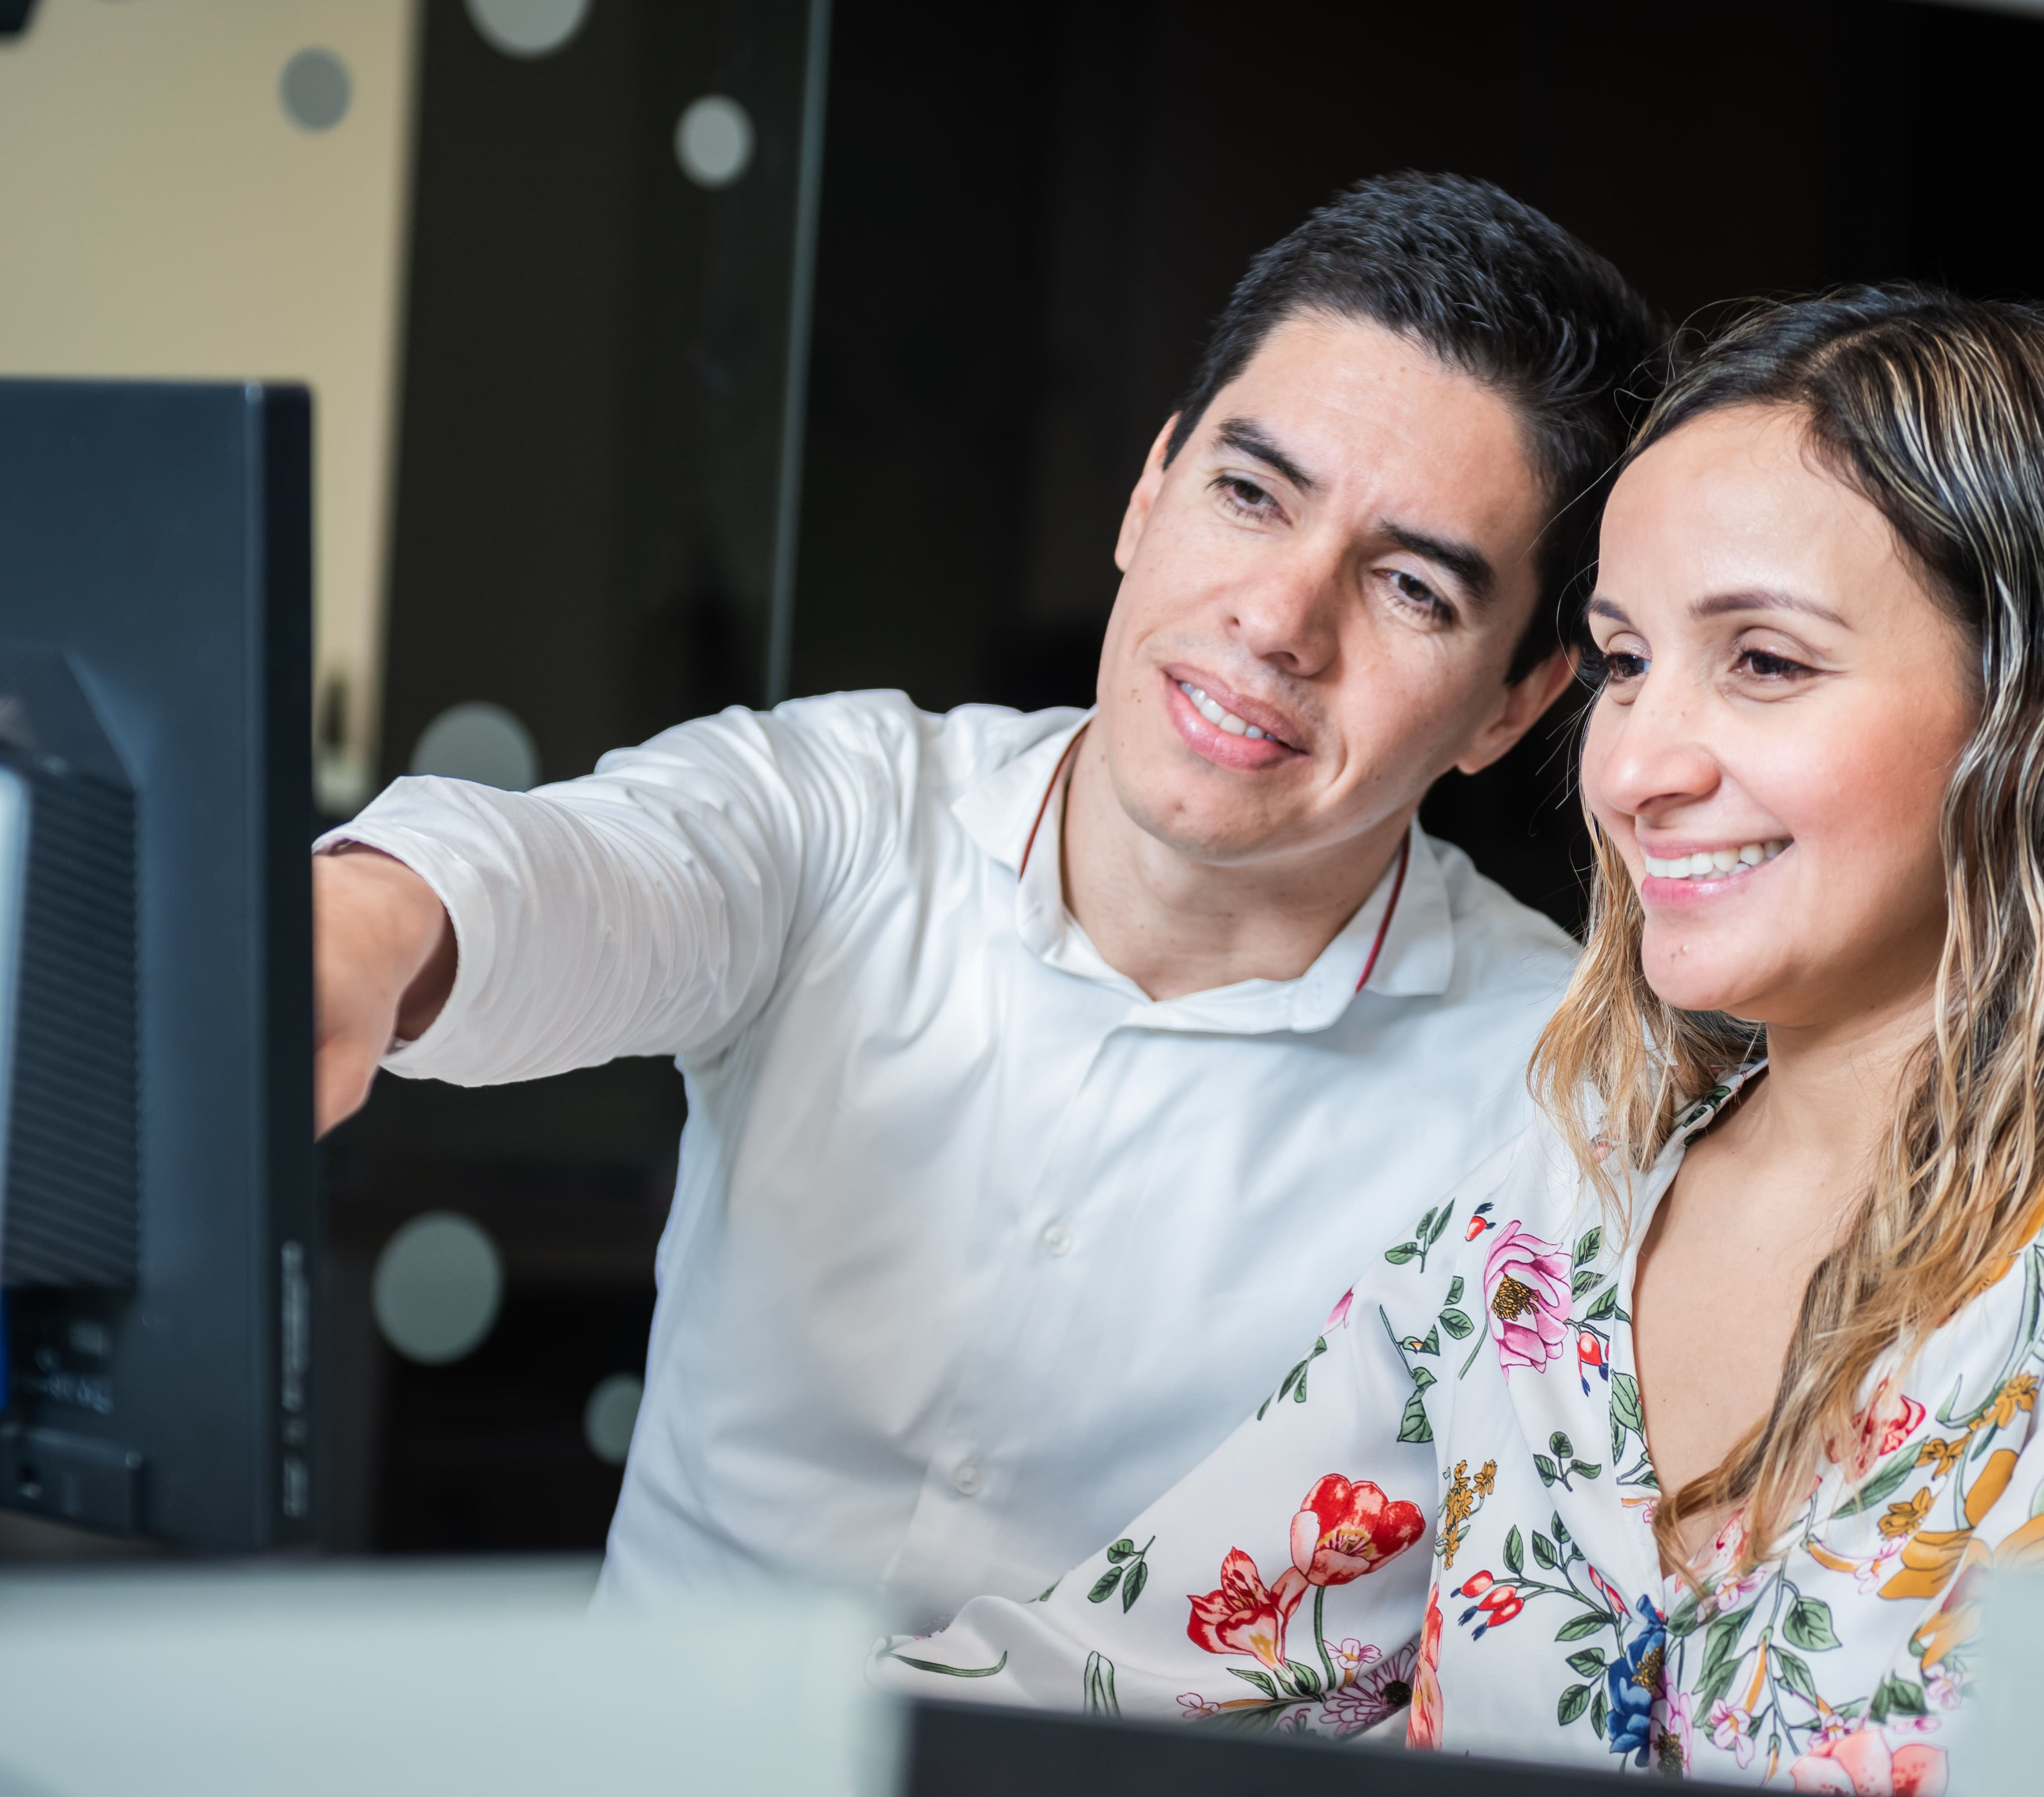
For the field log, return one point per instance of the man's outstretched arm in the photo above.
(383, 963)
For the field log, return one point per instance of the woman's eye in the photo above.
(1600, 668)
(1767, 667)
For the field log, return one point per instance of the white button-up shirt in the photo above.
(976, 1249)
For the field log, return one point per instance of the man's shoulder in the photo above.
(1499, 941)
(948, 751)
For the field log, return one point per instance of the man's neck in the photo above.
(1174, 925)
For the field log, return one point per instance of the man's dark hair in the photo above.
(1491, 287)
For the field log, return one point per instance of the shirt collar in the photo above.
(1016, 815)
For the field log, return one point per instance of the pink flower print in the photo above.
(1525, 1286)
(1942, 1688)
(1731, 1732)
(1339, 1315)
(1730, 1595)
(1889, 1419)
(1861, 1765)
(1672, 1730)
(1373, 1689)
(1196, 1708)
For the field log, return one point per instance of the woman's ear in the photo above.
(1524, 703)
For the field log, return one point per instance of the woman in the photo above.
(1682, 1430)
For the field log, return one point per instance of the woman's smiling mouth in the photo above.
(1714, 864)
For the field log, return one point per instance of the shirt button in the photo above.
(1057, 1239)
(967, 1478)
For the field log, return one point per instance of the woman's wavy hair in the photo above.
(1932, 407)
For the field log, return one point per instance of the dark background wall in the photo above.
(1029, 215)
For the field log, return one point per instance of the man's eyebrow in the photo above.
(1464, 560)
(1246, 437)
(1764, 599)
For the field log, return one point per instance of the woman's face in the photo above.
(1784, 706)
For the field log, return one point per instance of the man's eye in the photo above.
(1245, 495)
(1418, 594)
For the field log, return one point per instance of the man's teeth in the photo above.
(1214, 715)
(1710, 863)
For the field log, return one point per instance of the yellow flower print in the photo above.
(2020, 1394)
(1486, 1478)
(1932, 1557)
(1464, 1495)
(1943, 1458)
(1907, 1517)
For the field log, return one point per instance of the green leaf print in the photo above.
(1431, 1345)
(1456, 1324)
(1721, 1655)
(1455, 1289)
(1585, 1469)
(1625, 1404)
(1589, 1662)
(1794, 1672)
(1585, 1625)
(1585, 1280)
(1138, 1576)
(1599, 1708)
(1413, 1426)
(1515, 1552)
(1123, 1549)
(1420, 1228)
(1587, 1244)
(1887, 1479)
(1262, 1681)
(1808, 1625)
(1304, 1681)
(1601, 1310)
(1422, 1376)
(1100, 1698)
(959, 1672)
(1440, 1225)
(1557, 1528)
(1559, 1445)
(1543, 1551)
(1103, 1587)
(1398, 1257)
(1895, 1696)
(1575, 1700)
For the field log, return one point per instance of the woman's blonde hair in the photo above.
(1931, 407)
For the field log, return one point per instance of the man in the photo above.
(1046, 1071)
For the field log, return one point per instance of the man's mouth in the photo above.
(1218, 715)
(1714, 864)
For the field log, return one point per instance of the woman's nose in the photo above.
(1649, 755)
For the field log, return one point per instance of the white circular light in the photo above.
(481, 742)
(315, 90)
(438, 1285)
(714, 141)
(608, 1417)
(527, 28)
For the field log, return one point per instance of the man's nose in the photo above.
(1287, 616)
(1657, 757)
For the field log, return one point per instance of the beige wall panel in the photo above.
(160, 214)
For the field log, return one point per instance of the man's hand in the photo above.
(383, 963)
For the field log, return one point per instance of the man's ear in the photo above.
(1137, 516)
(1522, 708)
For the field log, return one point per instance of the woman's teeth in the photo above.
(1214, 715)
(1706, 864)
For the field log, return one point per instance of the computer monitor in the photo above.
(157, 1242)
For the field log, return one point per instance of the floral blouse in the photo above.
(1444, 1508)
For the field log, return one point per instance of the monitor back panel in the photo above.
(160, 535)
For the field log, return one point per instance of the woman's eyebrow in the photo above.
(1764, 599)
(1600, 607)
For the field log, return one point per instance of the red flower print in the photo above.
(1423, 1721)
(1889, 1419)
(1478, 1223)
(1861, 1764)
(1590, 1358)
(1344, 1530)
(1526, 1288)
(1339, 1315)
(1244, 1616)
(1497, 1604)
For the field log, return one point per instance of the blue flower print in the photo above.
(1633, 1682)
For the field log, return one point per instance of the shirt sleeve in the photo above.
(1281, 1583)
(647, 909)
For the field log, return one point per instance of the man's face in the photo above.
(1341, 560)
